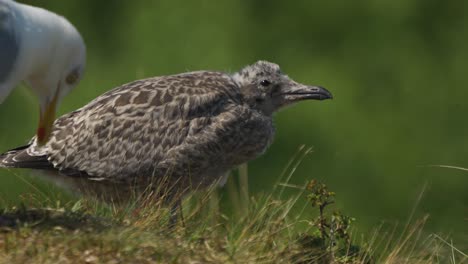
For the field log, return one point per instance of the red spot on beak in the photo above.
(40, 134)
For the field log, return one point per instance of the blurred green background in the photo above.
(397, 68)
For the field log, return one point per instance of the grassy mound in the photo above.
(263, 232)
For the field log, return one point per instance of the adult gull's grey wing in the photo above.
(9, 46)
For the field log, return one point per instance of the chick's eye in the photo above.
(265, 83)
(72, 77)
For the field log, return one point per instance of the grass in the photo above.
(263, 230)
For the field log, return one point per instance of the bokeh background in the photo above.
(397, 68)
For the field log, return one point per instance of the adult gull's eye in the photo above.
(72, 77)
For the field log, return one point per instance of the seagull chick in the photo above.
(190, 129)
(44, 50)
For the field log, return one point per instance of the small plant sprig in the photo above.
(333, 229)
(320, 197)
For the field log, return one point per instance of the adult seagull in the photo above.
(43, 49)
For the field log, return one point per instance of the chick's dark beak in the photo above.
(297, 91)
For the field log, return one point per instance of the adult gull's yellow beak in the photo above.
(46, 119)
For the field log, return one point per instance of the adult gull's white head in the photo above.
(43, 49)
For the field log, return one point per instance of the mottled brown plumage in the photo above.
(189, 128)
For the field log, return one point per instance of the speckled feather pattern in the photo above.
(192, 125)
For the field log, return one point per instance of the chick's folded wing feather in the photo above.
(133, 128)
